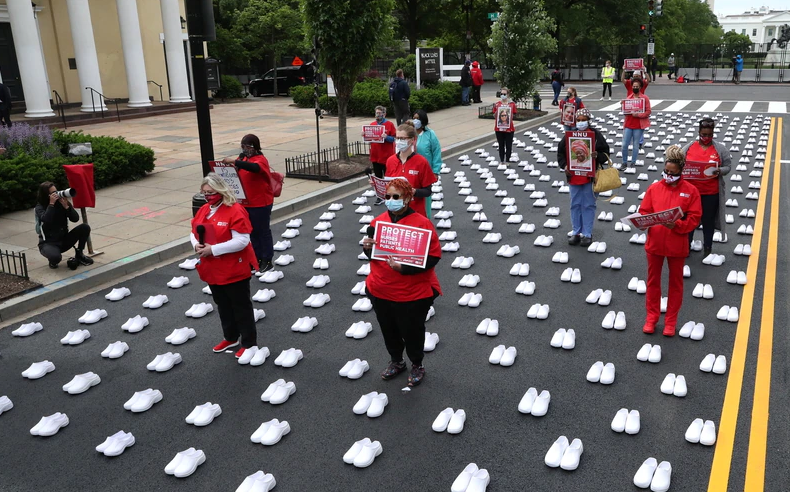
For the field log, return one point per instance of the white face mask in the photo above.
(401, 145)
(669, 179)
(503, 97)
(582, 125)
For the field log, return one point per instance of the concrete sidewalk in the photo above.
(138, 217)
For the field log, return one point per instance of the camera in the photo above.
(72, 263)
(67, 193)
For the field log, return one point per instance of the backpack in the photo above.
(393, 86)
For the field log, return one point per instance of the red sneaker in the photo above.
(240, 352)
(649, 327)
(669, 330)
(224, 345)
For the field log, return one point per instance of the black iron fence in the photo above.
(318, 164)
(14, 263)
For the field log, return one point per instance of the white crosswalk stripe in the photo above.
(743, 107)
(709, 106)
(677, 106)
(698, 106)
(777, 107)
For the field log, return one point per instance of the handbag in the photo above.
(276, 182)
(607, 178)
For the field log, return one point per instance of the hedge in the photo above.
(114, 161)
(230, 87)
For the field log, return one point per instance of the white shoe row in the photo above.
(204, 414)
(601, 373)
(50, 425)
(463, 262)
(695, 331)
(38, 370)
(728, 313)
(259, 481)
(572, 275)
(713, 363)
(701, 432)
(656, 477)
(177, 282)
(185, 463)
(321, 264)
(469, 281)
(503, 356)
(94, 316)
(289, 358)
(271, 276)
(674, 385)
(327, 216)
(703, 291)
(316, 300)
(199, 310)
(81, 383)
(304, 324)
(431, 339)
(612, 320)
(135, 324)
(265, 295)
(613, 263)
(116, 444)
(628, 422)
(538, 311)
(359, 330)
(354, 369)
(363, 453)
(444, 224)
(142, 401)
(155, 302)
(294, 223)
(27, 329)
(270, 433)
(118, 294)
(278, 392)
(362, 305)
(637, 285)
(563, 338)
(564, 455)
(450, 420)
(180, 335)
(649, 353)
(746, 229)
(472, 479)
(489, 327)
(164, 362)
(560, 257)
(75, 337)
(470, 299)
(448, 236)
(325, 249)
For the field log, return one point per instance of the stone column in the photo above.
(133, 58)
(174, 50)
(32, 70)
(85, 54)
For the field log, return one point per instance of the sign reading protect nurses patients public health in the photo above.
(643, 222)
(632, 64)
(231, 177)
(405, 244)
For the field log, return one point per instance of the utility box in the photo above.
(212, 74)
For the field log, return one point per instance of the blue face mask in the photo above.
(417, 124)
(394, 205)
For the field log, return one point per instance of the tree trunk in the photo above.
(342, 131)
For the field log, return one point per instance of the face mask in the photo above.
(503, 97)
(379, 118)
(705, 140)
(669, 179)
(417, 124)
(401, 145)
(636, 90)
(582, 125)
(569, 95)
(214, 199)
(247, 152)
(394, 205)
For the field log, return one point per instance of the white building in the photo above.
(761, 25)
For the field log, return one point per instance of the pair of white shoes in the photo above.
(674, 385)
(627, 421)
(472, 479)
(564, 455)
(444, 224)
(470, 299)
(714, 260)
(488, 327)
(284, 260)
(278, 392)
(321, 226)
(372, 404)
(50, 425)
(657, 477)
(469, 281)
(75, 337)
(544, 241)
(525, 288)
(743, 250)
(526, 228)
(304, 324)
(638, 239)
(359, 330)
(178, 282)
(748, 213)
(327, 216)
(354, 369)
(265, 295)
(736, 277)
(601, 373)
(321, 264)
(507, 251)
(290, 233)
(451, 247)
(364, 270)
(597, 247)
(116, 444)
(316, 300)
(560, 257)
(135, 324)
(360, 200)
(185, 463)
(612, 320)
(359, 289)
(180, 335)
(535, 404)
(81, 383)
(164, 362)
(289, 358)
(155, 302)
(649, 353)
(746, 229)
(363, 453)
(325, 249)
(189, 264)
(362, 209)
(5, 404)
(620, 227)
(639, 286)
(324, 236)
(118, 294)
(271, 276)
(542, 202)
(27, 329)
(38, 370)
(294, 223)
(93, 316)
(613, 263)
(199, 310)
(431, 339)
(701, 432)
(448, 236)
(258, 481)
(254, 356)
(515, 219)
(363, 305)
(502, 356)
(563, 338)
(143, 400)
(282, 245)
(492, 237)
(552, 224)
(606, 216)
(572, 275)
(204, 414)
(463, 262)
(520, 269)
(270, 433)
(449, 420)
(714, 363)
(600, 297)
(538, 311)
(695, 331)
(553, 212)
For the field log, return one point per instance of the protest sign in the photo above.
(700, 170)
(380, 184)
(231, 177)
(643, 222)
(633, 106)
(579, 147)
(373, 133)
(632, 64)
(404, 244)
(568, 114)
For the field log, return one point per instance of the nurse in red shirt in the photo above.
(226, 259)
(635, 125)
(255, 176)
(380, 152)
(402, 294)
(504, 132)
(406, 163)
(669, 242)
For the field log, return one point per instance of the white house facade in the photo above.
(761, 25)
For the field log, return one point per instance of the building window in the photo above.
(770, 32)
(754, 32)
(743, 31)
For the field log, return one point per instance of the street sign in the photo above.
(492, 16)
(651, 48)
(297, 62)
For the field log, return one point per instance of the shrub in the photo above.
(25, 139)
(303, 95)
(370, 74)
(230, 87)
(408, 65)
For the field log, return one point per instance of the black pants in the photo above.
(710, 209)
(379, 170)
(261, 237)
(505, 140)
(401, 111)
(403, 325)
(235, 312)
(5, 117)
(77, 236)
(670, 71)
(653, 75)
(607, 85)
(476, 94)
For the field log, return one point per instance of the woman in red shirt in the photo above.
(635, 125)
(402, 294)
(711, 190)
(504, 134)
(221, 237)
(380, 152)
(255, 176)
(669, 241)
(573, 99)
(406, 163)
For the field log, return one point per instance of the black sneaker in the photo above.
(379, 201)
(72, 263)
(265, 266)
(393, 369)
(574, 240)
(417, 375)
(585, 241)
(53, 265)
(82, 259)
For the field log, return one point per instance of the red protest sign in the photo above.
(380, 184)
(633, 106)
(405, 244)
(700, 170)
(231, 177)
(579, 147)
(646, 221)
(632, 64)
(373, 133)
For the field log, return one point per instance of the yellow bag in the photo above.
(606, 179)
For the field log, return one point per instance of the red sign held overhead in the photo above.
(297, 62)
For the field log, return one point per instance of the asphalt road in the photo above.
(496, 436)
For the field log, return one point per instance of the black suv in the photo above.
(287, 77)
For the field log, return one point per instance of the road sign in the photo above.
(297, 62)
(651, 48)
(492, 16)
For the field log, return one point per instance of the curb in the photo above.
(65, 288)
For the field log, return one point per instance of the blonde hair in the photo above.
(219, 185)
(408, 127)
(675, 155)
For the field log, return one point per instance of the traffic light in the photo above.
(642, 29)
(659, 8)
(650, 7)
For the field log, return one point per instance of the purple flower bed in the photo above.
(35, 141)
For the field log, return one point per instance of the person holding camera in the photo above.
(53, 211)
(737, 68)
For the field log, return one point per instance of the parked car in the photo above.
(287, 77)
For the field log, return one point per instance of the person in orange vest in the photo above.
(477, 82)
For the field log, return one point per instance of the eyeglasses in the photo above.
(396, 196)
(379, 114)
(402, 139)
(671, 174)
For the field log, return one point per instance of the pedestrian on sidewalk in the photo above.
(607, 75)
(737, 68)
(635, 125)
(466, 83)
(402, 295)
(380, 152)
(668, 242)
(53, 213)
(557, 84)
(406, 163)
(582, 196)
(221, 238)
(671, 66)
(504, 135)
(429, 147)
(477, 82)
(712, 191)
(400, 92)
(571, 99)
(255, 175)
(5, 105)
(653, 67)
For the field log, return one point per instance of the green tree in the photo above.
(735, 44)
(520, 39)
(348, 38)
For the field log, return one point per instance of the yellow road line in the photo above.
(722, 458)
(758, 435)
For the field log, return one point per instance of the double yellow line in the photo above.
(722, 459)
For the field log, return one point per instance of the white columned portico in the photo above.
(85, 54)
(133, 58)
(32, 70)
(174, 50)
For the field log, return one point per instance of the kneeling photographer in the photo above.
(53, 212)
